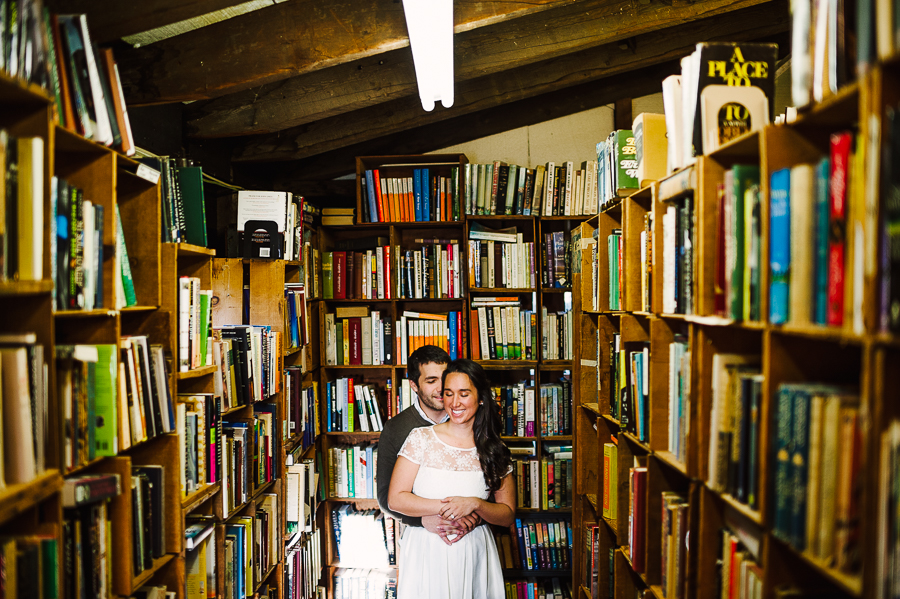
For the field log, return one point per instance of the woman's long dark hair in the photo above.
(492, 452)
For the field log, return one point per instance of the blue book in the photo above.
(800, 442)
(780, 246)
(426, 194)
(328, 427)
(820, 266)
(782, 451)
(370, 191)
(237, 533)
(370, 471)
(451, 325)
(522, 553)
(417, 193)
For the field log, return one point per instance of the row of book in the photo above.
(364, 538)
(194, 324)
(200, 576)
(734, 427)
(301, 488)
(148, 493)
(22, 203)
(199, 427)
(248, 360)
(557, 266)
(592, 557)
(358, 275)
(25, 379)
(517, 409)
(296, 316)
(679, 396)
(674, 530)
(629, 371)
(725, 89)
(501, 258)
(303, 568)
(86, 554)
(301, 406)
(552, 189)
(538, 588)
(432, 271)
(555, 407)
(818, 449)
(351, 406)
(544, 483)
(277, 221)
(415, 329)
(354, 335)
(544, 544)
(679, 239)
(426, 196)
(556, 332)
(364, 583)
(253, 547)
(502, 330)
(617, 163)
(351, 471)
(741, 576)
(615, 255)
(811, 203)
(738, 246)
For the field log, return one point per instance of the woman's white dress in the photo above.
(429, 568)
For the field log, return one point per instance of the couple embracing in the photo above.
(443, 470)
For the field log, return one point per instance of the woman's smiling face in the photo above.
(460, 397)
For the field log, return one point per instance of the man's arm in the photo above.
(388, 447)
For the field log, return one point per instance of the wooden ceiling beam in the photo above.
(284, 40)
(518, 84)
(110, 20)
(375, 79)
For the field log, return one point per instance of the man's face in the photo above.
(429, 387)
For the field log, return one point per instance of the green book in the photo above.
(626, 160)
(328, 276)
(191, 180)
(125, 268)
(91, 409)
(350, 456)
(339, 343)
(743, 177)
(204, 326)
(50, 568)
(105, 407)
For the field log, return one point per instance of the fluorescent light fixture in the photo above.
(430, 25)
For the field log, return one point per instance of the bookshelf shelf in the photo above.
(82, 467)
(592, 501)
(640, 445)
(195, 499)
(507, 364)
(657, 591)
(69, 142)
(77, 314)
(593, 408)
(519, 573)
(195, 373)
(24, 288)
(851, 584)
(754, 516)
(669, 459)
(291, 351)
(556, 289)
(556, 364)
(515, 438)
(264, 578)
(188, 250)
(585, 594)
(552, 438)
(15, 499)
(142, 578)
(138, 309)
(501, 289)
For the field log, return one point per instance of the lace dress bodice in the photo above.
(444, 470)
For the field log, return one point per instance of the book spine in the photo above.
(780, 247)
(840, 171)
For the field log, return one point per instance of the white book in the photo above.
(367, 355)
(483, 333)
(377, 338)
(717, 129)
(89, 249)
(184, 320)
(19, 465)
(362, 408)
(548, 189)
(104, 130)
(803, 230)
(669, 245)
(31, 209)
(491, 259)
(330, 340)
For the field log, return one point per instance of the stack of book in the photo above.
(194, 324)
(556, 331)
(818, 449)
(145, 407)
(679, 396)
(252, 362)
(296, 316)
(86, 552)
(351, 471)
(358, 274)
(200, 429)
(415, 329)
(149, 516)
(517, 409)
(22, 237)
(351, 405)
(679, 239)
(555, 407)
(236, 460)
(738, 248)
(629, 383)
(734, 427)
(301, 406)
(812, 203)
(545, 483)
(501, 330)
(363, 539)
(430, 271)
(617, 166)
(240, 549)
(337, 217)
(354, 335)
(538, 587)
(544, 544)
(742, 577)
(265, 443)
(303, 567)
(674, 545)
(426, 196)
(500, 258)
(301, 486)
(557, 271)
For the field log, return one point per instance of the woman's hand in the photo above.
(458, 507)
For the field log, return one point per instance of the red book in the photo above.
(350, 288)
(355, 340)
(379, 203)
(450, 268)
(340, 275)
(475, 353)
(387, 272)
(636, 534)
(840, 165)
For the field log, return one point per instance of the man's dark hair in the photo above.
(427, 354)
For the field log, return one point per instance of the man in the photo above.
(424, 368)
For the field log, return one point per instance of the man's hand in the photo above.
(451, 531)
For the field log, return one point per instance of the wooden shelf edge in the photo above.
(195, 372)
(192, 501)
(592, 500)
(187, 249)
(147, 574)
(669, 459)
(264, 578)
(15, 499)
(742, 508)
(20, 288)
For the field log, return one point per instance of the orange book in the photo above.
(411, 204)
(475, 353)
(379, 203)
(401, 199)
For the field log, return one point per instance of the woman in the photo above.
(454, 469)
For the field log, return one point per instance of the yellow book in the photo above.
(545, 502)
(345, 324)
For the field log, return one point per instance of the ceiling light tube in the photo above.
(430, 26)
